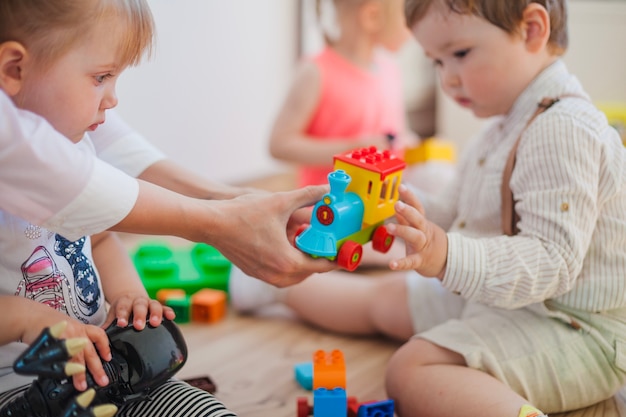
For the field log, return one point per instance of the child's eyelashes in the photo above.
(461, 53)
(102, 78)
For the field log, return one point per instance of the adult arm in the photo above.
(253, 231)
(121, 146)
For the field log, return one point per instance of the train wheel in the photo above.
(349, 256)
(382, 240)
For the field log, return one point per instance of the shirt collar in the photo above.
(554, 81)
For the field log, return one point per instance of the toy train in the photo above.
(363, 191)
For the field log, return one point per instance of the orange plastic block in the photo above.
(208, 305)
(329, 369)
(163, 295)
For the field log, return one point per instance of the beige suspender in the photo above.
(509, 215)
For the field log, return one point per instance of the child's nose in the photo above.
(449, 77)
(110, 100)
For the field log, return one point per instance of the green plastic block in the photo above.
(190, 269)
(182, 308)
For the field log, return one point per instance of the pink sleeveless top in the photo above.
(353, 103)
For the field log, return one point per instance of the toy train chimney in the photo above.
(338, 181)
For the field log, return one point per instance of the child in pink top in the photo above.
(350, 94)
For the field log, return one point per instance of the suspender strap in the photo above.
(510, 218)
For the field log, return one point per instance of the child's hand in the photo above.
(91, 354)
(426, 243)
(34, 317)
(138, 306)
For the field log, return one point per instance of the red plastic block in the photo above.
(329, 369)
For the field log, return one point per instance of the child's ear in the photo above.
(535, 27)
(12, 58)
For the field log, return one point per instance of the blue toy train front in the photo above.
(337, 215)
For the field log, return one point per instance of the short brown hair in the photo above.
(49, 28)
(505, 14)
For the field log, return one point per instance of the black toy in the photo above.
(141, 361)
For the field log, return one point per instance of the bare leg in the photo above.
(427, 380)
(354, 304)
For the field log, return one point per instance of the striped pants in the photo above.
(172, 399)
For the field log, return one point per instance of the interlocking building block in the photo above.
(383, 408)
(208, 305)
(329, 369)
(431, 149)
(304, 374)
(330, 402)
(166, 293)
(190, 269)
(182, 308)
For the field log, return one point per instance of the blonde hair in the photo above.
(49, 28)
(505, 14)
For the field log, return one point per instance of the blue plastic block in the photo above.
(330, 403)
(304, 374)
(383, 408)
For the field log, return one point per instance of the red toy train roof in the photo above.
(383, 162)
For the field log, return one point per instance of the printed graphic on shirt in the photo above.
(86, 285)
(45, 282)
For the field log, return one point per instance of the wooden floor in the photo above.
(251, 361)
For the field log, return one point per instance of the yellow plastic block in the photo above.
(431, 149)
(616, 114)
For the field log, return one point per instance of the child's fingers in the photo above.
(408, 263)
(101, 341)
(169, 313)
(414, 238)
(141, 307)
(156, 312)
(410, 198)
(123, 310)
(406, 214)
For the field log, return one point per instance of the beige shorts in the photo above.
(552, 364)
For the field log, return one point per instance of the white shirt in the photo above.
(569, 182)
(119, 145)
(47, 180)
(44, 266)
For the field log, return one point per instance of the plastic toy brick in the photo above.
(165, 294)
(615, 113)
(330, 402)
(208, 305)
(431, 149)
(383, 408)
(204, 383)
(303, 373)
(329, 369)
(189, 269)
(182, 308)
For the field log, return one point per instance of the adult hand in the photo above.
(426, 243)
(254, 232)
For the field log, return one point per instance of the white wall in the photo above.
(596, 55)
(208, 96)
